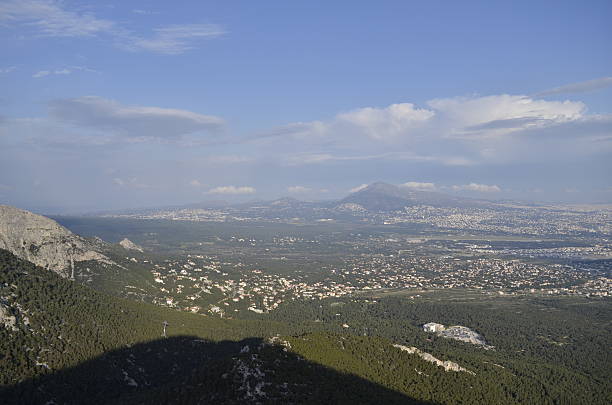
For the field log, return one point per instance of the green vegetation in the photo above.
(71, 343)
(543, 346)
(68, 323)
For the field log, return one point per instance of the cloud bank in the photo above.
(134, 122)
(481, 144)
(457, 131)
(581, 87)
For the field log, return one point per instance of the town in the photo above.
(497, 219)
(225, 287)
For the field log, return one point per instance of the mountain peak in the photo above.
(382, 187)
(381, 196)
(129, 245)
(378, 196)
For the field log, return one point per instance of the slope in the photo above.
(63, 342)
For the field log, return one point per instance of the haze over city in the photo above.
(109, 105)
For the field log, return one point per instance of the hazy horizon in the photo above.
(237, 201)
(144, 104)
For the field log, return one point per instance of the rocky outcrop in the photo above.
(447, 365)
(43, 241)
(457, 332)
(129, 245)
(6, 319)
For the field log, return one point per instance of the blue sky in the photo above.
(144, 103)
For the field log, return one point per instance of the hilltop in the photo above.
(44, 242)
(381, 196)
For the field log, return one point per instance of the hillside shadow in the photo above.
(189, 370)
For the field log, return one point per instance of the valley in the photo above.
(253, 306)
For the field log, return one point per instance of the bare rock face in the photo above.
(446, 365)
(43, 241)
(6, 319)
(129, 245)
(457, 332)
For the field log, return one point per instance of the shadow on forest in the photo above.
(189, 370)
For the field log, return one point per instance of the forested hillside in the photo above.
(64, 342)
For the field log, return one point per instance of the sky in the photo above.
(125, 104)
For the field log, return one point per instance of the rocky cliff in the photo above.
(43, 241)
(129, 245)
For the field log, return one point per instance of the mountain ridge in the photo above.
(44, 242)
(376, 197)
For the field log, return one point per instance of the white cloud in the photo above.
(581, 87)
(50, 18)
(481, 188)
(172, 40)
(414, 185)
(135, 122)
(7, 69)
(458, 131)
(494, 116)
(195, 183)
(43, 73)
(358, 188)
(386, 123)
(382, 123)
(448, 117)
(232, 190)
(298, 189)
(144, 12)
(63, 71)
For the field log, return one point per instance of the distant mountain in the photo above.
(377, 197)
(388, 197)
(43, 241)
